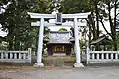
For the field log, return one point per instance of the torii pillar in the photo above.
(40, 44)
(77, 46)
(42, 23)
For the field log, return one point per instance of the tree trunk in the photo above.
(115, 38)
(17, 39)
(10, 47)
(97, 25)
(113, 27)
(10, 39)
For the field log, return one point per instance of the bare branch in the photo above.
(105, 28)
(89, 25)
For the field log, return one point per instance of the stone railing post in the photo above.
(88, 54)
(29, 54)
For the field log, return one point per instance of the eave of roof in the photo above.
(100, 40)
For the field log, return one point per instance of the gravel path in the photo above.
(63, 73)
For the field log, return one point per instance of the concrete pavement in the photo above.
(111, 72)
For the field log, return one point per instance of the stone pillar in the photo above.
(77, 47)
(40, 45)
(87, 52)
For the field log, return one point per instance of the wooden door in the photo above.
(59, 49)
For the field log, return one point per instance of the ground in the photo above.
(89, 72)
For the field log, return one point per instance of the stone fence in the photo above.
(103, 57)
(16, 56)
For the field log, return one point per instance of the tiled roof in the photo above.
(100, 40)
(59, 37)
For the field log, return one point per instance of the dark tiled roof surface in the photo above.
(60, 37)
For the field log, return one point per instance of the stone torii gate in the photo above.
(58, 18)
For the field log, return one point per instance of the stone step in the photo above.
(59, 54)
(59, 61)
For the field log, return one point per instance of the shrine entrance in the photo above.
(59, 17)
(59, 49)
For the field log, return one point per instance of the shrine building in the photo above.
(59, 42)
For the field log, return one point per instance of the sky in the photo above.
(2, 33)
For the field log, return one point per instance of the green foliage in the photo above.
(82, 43)
(95, 7)
(43, 6)
(3, 45)
(74, 6)
(46, 30)
(118, 41)
(72, 31)
(62, 29)
(17, 23)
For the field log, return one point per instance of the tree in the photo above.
(78, 6)
(98, 14)
(113, 22)
(74, 6)
(111, 4)
(43, 6)
(17, 23)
